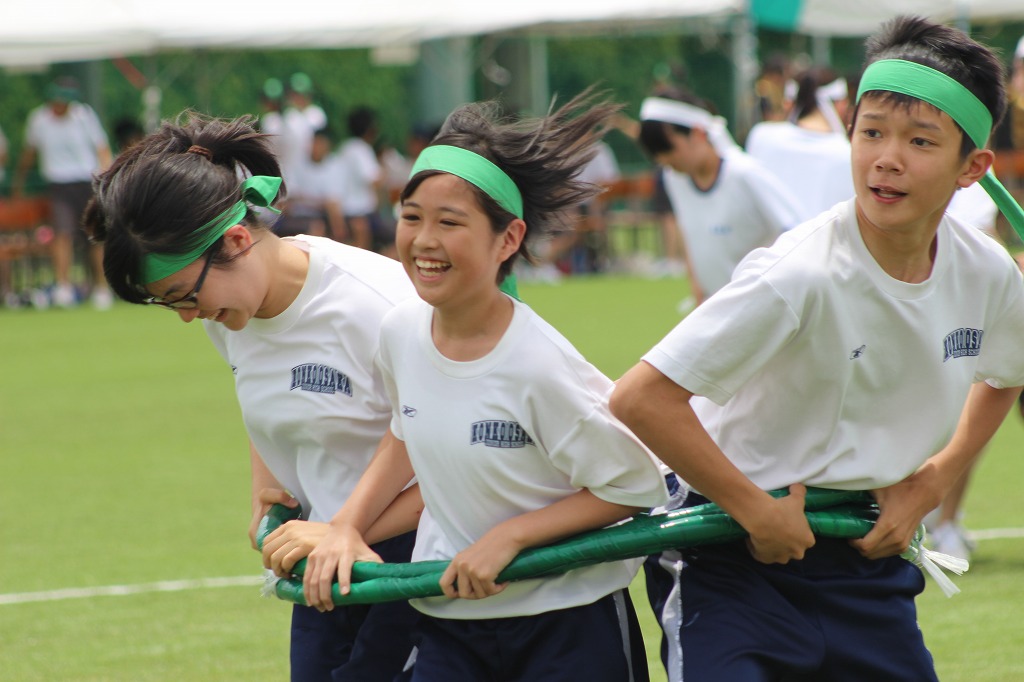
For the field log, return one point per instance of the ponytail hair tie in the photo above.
(201, 151)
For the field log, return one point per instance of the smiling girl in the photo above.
(296, 321)
(505, 426)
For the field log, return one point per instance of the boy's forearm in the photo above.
(984, 412)
(658, 411)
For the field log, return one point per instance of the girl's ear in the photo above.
(512, 238)
(238, 238)
(975, 166)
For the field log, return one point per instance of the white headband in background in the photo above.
(690, 116)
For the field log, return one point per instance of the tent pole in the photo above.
(745, 66)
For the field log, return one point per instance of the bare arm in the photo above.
(904, 504)
(387, 474)
(472, 573)
(266, 491)
(26, 161)
(658, 411)
(401, 516)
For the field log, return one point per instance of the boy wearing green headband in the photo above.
(875, 347)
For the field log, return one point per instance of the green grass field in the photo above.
(124, 462)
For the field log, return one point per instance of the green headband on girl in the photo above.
(959, 103)
(475, 170)
(259, 190)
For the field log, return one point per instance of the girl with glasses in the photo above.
(296, 321)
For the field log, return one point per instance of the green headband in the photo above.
(475, 170)
(959, 103)
(259, 190)
(933, 87)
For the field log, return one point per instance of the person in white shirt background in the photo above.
(67, 139)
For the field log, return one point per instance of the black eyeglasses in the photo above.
(190, 300)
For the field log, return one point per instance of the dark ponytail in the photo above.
(159, 191)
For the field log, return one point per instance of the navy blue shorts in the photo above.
(598, 642)
(357, 643)
(833, 615)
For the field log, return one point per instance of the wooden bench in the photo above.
(21, 239)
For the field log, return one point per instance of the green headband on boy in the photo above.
(959, 103)
(934, 87)
(259, 190)
(475, 170)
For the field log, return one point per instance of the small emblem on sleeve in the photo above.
(498, 433)
(962, 343)
(408, 411)
(857, 352)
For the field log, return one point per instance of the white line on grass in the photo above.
(255, 581)
(995, 533)
(122, 590)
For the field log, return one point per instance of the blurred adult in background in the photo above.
(770, 88)
(127, 131)
(1010, 135)
(314, 204)
(584, 245)
(271, 121)
(810, 150)
(396, 164)
(301, 118)
(66, 138)
(363, 176)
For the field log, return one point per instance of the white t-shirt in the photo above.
(313, 403)
(295, 139)
(747, 207)
(271, 123)
(512, 432)
(361, 171)
(814, 165)
(824, 370)
(973, 205)
(316, 182)
(603, 169)
(67, 145)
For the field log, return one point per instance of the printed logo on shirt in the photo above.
(963, 343)
(320, 379)
(408, 411)
(721, 230)
(498, 433)
(857, 352)
(234, 369)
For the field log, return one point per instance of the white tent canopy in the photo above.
(43, 31)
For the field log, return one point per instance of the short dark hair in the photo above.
(157, 193)
(361, 120)
(808, 81)
(542, 156)
(947, 50)
(653, 135)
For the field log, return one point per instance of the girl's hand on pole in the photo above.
(472, 573)
(341, 546)
(266, 498)
(290, 543)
